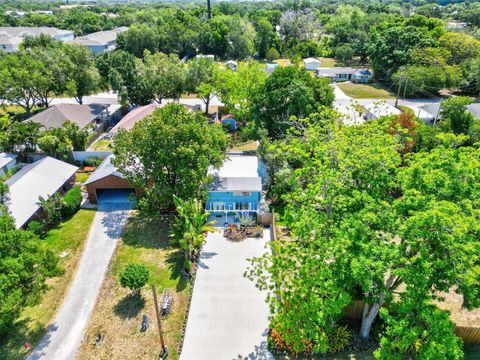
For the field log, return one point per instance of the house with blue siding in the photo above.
(236, 188)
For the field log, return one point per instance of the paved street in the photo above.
(66, 333)
(228, 316)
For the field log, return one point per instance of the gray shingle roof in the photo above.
(100, 38)
(55, 116)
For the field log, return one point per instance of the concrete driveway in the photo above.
(64, 336)
(228, 316)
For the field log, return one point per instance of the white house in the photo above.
(311, 63)
(232, 65)
(7, 162)
(101, 41)
(210, 57)
(345, 74)
(11, 37)
(43, 178)
(378, 109)
(270, 68)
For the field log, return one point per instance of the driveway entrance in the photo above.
(228, 316)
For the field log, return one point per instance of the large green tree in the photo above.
(289, 92)
(82, 74)
(163, 75)
(24, 267)
(169, 154)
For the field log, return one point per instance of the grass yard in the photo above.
(101, 145)
(282, 62)
(118, 315)
(245, 146)
(366, 91)
(81, 177)
(67, 241)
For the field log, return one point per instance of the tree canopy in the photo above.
(169, 154)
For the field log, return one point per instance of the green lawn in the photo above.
(366, 91)
(81, 177)
(245, 146)
(101, 145)
(66, 241)
(118, 314)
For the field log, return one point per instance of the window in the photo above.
(243, 206)
(241, 193)
(217, 205)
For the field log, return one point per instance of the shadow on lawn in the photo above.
(12, 344)
(150, 233)
(175, 262)
(129, 306)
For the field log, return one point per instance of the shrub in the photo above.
(134, 277)
(92, 161)
(272, 54)
(36, 227)
(339, 338)
(71, 201)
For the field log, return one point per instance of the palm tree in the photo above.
(190, 227)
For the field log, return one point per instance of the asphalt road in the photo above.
(64, 336)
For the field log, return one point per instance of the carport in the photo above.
(107, 184)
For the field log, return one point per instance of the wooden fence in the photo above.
(469, 334)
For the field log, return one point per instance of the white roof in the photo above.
(105, 169)
(238, 173)
(6, 159)
(381, 108)
(236, 166)
(311, 61)
(42, 178)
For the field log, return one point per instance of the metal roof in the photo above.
(41, 178)
(236, 184)
(6, 159)
(105, 169)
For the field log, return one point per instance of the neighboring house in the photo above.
(210, 57)
(236, 188)
(376, 110)
(311, 63)
(134, 116)
(7, 162)
(270, 68)
(433, 111)
(232, 65)
(43, 178)
(12, 37)
(474, 109)
(102, 41)
(229, 120)
(82, 115)
(107, 179)
(345, 74)
(456, 25)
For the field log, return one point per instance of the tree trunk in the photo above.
(369, 315)
(207, 103)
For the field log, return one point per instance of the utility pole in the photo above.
(400, 79)
(164, 350)
(208, 9)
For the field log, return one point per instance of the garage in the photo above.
(107, 184)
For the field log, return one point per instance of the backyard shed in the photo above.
(107, 180)
(311, 63)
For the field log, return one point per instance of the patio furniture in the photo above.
(166, 301)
